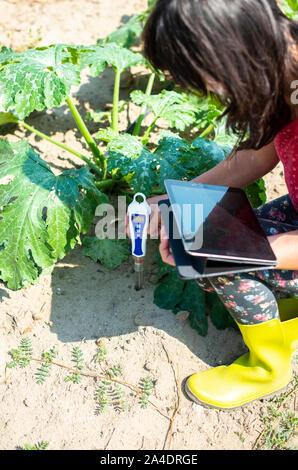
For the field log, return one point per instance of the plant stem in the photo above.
(136, 389)
(148, 92)
(207, 131)
(149, 130)
(86, 134)
(115, 112)
(154, 192)
(105, 184)
(157, 192)
(64, 147)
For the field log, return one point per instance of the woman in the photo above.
(245, 51)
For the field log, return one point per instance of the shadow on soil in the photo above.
(90, 302)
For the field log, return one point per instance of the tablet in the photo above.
(195, 267)
(217, 222)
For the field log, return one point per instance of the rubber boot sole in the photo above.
(196, 400)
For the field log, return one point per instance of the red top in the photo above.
(286, 144)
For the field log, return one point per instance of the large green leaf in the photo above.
(128, 155)
(210, 151)
(41, 214)
(169, 293)
(36, 79)
(256, 193)
(100, 55)
(142, 169)
(126, 34)
(219, 314)
(126, 144)
(178, 159)
(111, 253)
(194, 302)
(171, 154)
(290, 8)
(222, 137)
(175, 294)
(208, 109)
(175, 108)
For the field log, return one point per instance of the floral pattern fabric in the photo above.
(252, 297)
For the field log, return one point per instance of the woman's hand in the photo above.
(164, 248)
(155, 227)
(155, 217)
(285, 248)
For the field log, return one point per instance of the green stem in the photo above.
(207, 131)
(86, 134)
(105, 184)
(148, 92)
(157, 192)
(149, 130)
(154, 192)
(115, 112)
(64, 147)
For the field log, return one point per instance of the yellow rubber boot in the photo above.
(288, 312)
(288, 308)
(264, 370)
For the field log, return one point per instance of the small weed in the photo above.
(77, 358)
(39, 446)
(277, 436)
(146, 386)
(22, 356)
(280, 427)
(109, 393)
(101, 353)
(115, 371)
(119, 398)
(45, 369)
(240, 435)
(103, 398)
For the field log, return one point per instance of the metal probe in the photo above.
(139, 213)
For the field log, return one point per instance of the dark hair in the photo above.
(242, 45)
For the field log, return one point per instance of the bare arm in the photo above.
(245, 167)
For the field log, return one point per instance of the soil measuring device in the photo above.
(139, 214)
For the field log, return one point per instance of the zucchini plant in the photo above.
(290, 8)
(43, 215)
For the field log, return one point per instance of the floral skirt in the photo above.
(252, 297)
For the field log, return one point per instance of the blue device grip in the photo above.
(138, 247)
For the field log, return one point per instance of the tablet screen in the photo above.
(217, 220)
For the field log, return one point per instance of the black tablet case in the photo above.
(195, 267)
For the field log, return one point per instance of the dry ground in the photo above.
(82, 301)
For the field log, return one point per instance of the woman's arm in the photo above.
(245, 167)
(285, 248)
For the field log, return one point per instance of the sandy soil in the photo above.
(82, 302)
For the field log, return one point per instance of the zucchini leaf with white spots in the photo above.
(41, 214)
(99, 56)
(131, 158)
(37, 78)
(175, 108)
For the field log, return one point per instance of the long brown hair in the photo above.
(244, 46)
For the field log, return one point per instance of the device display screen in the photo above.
(138, 219)
(226, 221)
